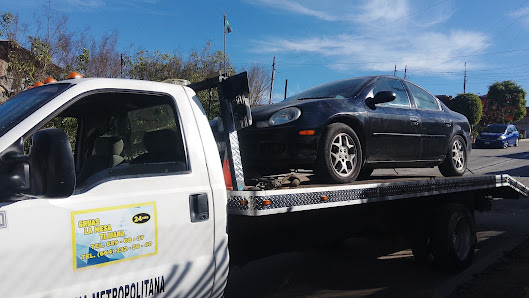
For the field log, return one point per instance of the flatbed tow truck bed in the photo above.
(265, 202)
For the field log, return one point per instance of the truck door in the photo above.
(139, 222)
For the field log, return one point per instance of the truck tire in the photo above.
(453, 238)
(339, 154)
(421, 239)
(455, 163)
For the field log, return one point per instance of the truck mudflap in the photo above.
(265, 202)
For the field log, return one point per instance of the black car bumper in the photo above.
(268, 150)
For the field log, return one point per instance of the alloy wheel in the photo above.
(343, 155)
(458, 155)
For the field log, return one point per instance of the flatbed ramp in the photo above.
(265, 202)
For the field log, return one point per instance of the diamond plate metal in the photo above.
(236, 158)
(377, 192)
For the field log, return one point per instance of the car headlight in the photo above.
(284, 116)
(502, 138)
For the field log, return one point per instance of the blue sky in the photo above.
(318, 41)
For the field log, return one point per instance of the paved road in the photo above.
(366, 268)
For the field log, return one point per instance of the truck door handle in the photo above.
(448, 123)
(199, 207)
(414, 120)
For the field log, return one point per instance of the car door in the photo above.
(135, 229)
(394, 127)
(436, 125)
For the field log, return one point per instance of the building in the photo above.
(523, 125)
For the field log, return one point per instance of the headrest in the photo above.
(108, 146)
(160, 141)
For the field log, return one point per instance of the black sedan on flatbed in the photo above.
(347, 128)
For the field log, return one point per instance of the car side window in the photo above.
(396, 86)
(423, 99)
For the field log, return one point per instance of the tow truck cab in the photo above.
(133, 205)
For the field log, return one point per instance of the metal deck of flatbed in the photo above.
(265, 202)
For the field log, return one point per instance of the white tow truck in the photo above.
(132, 202)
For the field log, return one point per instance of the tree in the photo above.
(468, 104)
(505, 103)
(155, 66)
(259, 83)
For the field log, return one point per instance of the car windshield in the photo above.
(495, 129)
(23, 104)
(338, 89)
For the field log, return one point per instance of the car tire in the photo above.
(365, 172)
(505, 144)
(339, 154)
(454, 238)
(455, 162)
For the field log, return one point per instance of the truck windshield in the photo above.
(339, 89)
(25, 103)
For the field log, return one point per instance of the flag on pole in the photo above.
(227, 27)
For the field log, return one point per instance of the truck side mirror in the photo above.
(51, 165)
(14, 170)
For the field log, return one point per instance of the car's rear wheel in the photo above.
(455, 163)
(339, 154)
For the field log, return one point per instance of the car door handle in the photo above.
(448, 123)
(199, 207)
(414, 120)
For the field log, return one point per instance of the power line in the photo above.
(412, 60)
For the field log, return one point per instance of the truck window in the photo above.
(68, 124)
(121, 134)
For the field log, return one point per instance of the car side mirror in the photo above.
(380, 97)
(51, 164)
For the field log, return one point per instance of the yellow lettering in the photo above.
(110, 235)
(103, 228)
(88, 223)
(88, 231)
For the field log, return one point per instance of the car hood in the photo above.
(490, 134)
(264, 112)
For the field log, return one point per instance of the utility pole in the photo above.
(395, 71)
(272, 81)
(286, 84)
(465, 80)
(405, 70)
(121, 71)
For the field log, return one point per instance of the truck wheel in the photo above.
(454, 238)
(421, 240)
(455, 163)
(339, 154)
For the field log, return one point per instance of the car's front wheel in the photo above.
(339, 154)
(455, 163)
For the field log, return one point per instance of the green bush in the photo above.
(468, 104)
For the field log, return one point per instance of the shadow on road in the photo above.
(359, 268)
(516, 172)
